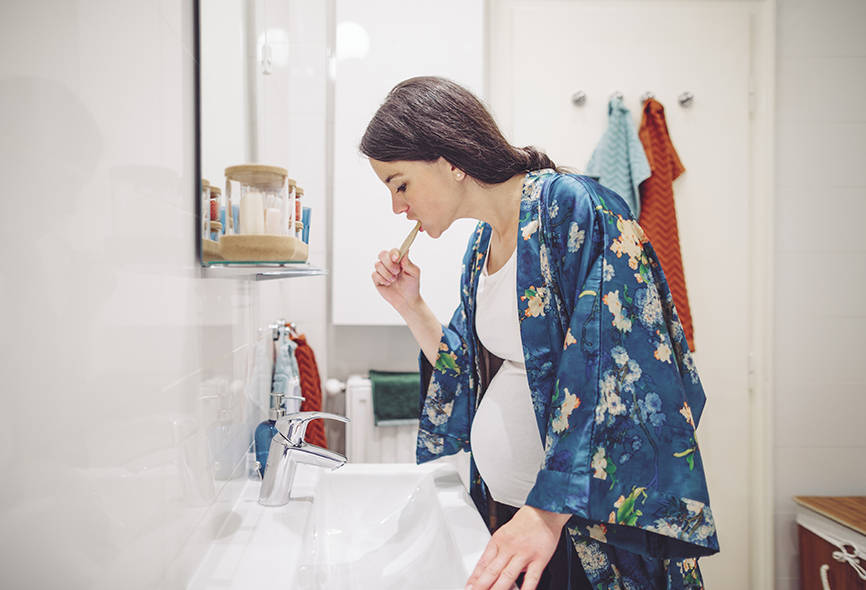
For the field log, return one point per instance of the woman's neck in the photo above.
(498, 205)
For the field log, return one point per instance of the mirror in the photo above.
(261, 67)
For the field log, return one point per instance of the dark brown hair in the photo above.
(426, 118)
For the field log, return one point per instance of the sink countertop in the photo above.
(258, 544)
(261, 546)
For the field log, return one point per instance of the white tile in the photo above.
(824, 471)
(786, 545)
(834, 27)
(821, 351)
(820, 89)
(55, 24)
(829, 415)
(833, 291)
(798, 229)
(821, 154)
(178, 17)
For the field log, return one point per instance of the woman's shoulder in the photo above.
(580, 196)
(569, 196)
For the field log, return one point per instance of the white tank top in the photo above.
(504, 437)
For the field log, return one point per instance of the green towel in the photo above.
(395, 397)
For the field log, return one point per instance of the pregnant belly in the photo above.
(505, 441)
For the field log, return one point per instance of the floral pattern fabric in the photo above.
(616, 394)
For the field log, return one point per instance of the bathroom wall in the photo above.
(122, 424)
(820, 276)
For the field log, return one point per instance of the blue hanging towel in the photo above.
(619, 161)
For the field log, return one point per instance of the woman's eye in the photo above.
(401, 188)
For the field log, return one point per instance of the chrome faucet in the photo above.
(288, 448)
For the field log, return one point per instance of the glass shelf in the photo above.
(262, 271)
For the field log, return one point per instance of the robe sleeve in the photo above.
(444, 407)
(620, 449)
(573, 235)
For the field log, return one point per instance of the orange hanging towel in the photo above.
(311, 388)
(658, 216)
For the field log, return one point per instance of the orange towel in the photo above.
(311, 389)
(658, 216)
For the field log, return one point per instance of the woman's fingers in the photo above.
(409, 267)
(509, 574)
(498, 572)
(484, 562)
(387, 268)
(378, 280)
(533, 575)
(387, 276)
(527, 541)
(387, 260)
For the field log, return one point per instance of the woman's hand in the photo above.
(397, 282)
(524, 543)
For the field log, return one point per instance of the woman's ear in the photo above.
(455, 172)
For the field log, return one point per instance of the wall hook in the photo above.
(578, 99)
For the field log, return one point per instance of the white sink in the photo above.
(364, 526)
(390, 527)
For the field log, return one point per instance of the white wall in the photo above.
(380, 43)
(123, 366)
(820, 334)
(361, 85)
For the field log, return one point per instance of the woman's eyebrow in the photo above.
(388, 180)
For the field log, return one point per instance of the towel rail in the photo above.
(685, 99)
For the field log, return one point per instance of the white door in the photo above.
(541, 53)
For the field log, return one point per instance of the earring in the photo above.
(459, 175)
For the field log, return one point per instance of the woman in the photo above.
(564, 370)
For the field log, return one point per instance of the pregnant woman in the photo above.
(564, 371)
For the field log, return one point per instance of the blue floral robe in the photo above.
(614, 387)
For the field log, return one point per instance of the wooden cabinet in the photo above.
(828, 525)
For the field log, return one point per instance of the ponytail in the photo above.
(535, 159)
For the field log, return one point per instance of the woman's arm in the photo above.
(425, 328)
(399, 284)
(445, 359)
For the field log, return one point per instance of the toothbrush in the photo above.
(404, 248)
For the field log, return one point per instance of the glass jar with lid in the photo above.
(263, 229)
(258, 197)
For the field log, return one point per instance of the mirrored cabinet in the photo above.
(260, 193)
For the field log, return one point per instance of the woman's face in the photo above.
(425, 191)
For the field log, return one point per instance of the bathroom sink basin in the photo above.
(390, 526)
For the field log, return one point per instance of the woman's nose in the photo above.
(398, 205)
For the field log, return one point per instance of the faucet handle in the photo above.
(294, 426)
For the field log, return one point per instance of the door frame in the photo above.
(761, 235)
